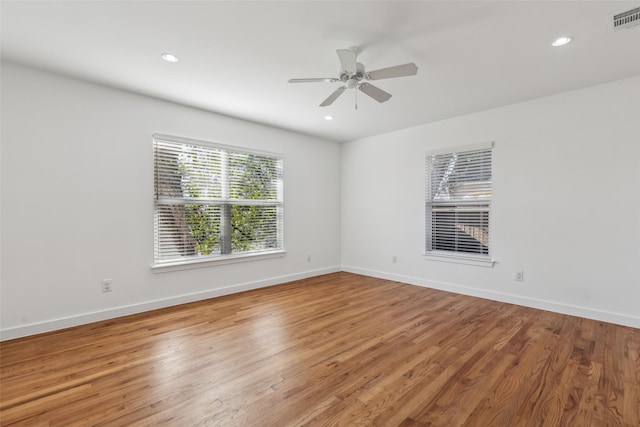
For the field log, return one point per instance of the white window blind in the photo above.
(214, 201)
(458, 202)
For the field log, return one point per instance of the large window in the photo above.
(458, 202)
(214, 202)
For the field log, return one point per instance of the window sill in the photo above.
(460, 259)
(211, 261)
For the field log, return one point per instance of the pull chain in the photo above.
(357, 88)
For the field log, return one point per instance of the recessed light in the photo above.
(561, 41)
(169, 57)
(328, 117)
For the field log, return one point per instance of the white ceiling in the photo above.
(236, 56)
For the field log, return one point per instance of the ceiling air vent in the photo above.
(627, 19)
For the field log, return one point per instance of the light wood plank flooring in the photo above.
(334, 350)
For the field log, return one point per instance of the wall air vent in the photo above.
(627, 19)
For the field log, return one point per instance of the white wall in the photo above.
(566, 207)
(77, 203)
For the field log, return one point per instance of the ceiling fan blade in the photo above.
(398, 71)
(347, 60)
(333, 96)
(327, 80)
(374, 92)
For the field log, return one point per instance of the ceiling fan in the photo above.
(354, 76)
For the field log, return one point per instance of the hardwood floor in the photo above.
(339, 349)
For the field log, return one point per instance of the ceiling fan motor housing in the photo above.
(352, 79)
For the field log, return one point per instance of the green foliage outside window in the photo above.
(212, 201)
(252, 227)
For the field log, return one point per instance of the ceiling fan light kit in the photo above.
(353, 75)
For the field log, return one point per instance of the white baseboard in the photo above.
(82, 319)
(589, 313)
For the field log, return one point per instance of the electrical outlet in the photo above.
(519, 276)
(394, 259)
(308, 257)
(106, 285)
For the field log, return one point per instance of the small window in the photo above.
(458, 202)
(214, 202)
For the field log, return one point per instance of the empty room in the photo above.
(320, 213)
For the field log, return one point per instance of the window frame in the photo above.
(483, 260)
(198, 261)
